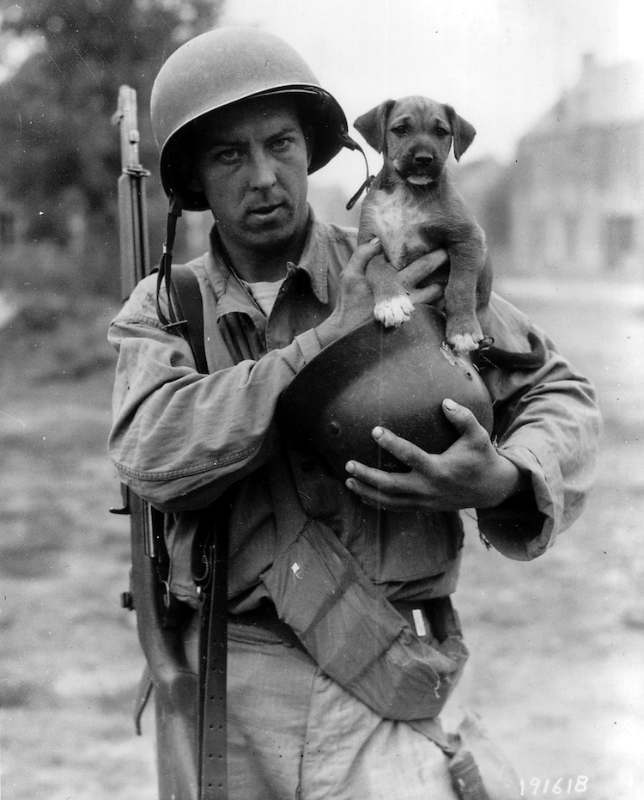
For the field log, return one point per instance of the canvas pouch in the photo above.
(355, 634)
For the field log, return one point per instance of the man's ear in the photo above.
(463, 132)
(373, 125)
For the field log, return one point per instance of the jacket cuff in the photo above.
(524, 525)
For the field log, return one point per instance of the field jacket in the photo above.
(180, 439)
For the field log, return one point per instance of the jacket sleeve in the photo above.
(547, 423)
(178, 437)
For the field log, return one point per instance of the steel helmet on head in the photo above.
(225, 66)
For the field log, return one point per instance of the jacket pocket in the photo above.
(413, 546)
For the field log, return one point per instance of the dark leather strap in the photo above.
(189, 307)
(214, 639)
(213, 774)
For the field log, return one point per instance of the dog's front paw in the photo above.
(393, 311)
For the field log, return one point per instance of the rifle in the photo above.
(176, 686)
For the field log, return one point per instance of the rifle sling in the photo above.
(189, 306)
(214, 607)
(213, 651)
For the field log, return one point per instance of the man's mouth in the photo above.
(265, 211)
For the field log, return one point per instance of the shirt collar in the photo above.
(313, 261)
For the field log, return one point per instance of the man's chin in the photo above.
(271, 238)
(270, 241)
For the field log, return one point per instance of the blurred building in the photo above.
(577, 184)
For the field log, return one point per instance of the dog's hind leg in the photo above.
(463, 330)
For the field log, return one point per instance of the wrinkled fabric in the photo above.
(179, 439)
(294, 733)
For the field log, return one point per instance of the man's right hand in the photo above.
(355, 299)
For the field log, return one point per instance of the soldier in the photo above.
(342, 644)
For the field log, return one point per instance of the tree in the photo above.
(60, 150)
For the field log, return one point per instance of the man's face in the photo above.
(251, 163)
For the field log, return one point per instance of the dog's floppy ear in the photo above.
(463, 132)
(373, 125)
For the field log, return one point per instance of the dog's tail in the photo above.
(487, 356)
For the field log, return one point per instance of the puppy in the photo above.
(414, 208)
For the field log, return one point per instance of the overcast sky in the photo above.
(500, 63)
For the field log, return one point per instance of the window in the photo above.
(7, 227)
(619, 239)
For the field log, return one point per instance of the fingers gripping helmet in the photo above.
(224, 66)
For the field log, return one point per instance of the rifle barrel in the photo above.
(133, 231)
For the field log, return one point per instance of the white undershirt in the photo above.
(265, 292)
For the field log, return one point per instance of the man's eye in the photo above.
(281, 144)
(228, 156)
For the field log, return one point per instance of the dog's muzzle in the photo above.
(418, 170)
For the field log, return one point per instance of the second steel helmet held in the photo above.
(227, 65)
(394, 377)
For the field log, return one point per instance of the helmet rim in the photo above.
(225, 66)
(324, 149)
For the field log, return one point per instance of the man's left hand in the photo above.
(469, 474)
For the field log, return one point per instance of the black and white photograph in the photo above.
(321, 369)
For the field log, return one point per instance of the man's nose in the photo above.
(262, 171)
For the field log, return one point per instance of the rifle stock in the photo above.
(176, 686)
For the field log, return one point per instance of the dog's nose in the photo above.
(423, 159)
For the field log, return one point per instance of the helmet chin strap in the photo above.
(164, 274)
(351, 144)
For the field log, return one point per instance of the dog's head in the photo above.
(415, 134)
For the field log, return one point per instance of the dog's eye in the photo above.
(400, 130)
(441, 131)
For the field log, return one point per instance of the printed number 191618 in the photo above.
(538, 787)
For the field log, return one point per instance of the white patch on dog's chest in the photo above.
(397, 219)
